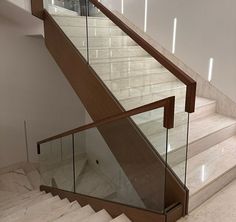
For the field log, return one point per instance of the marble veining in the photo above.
(219, 208)
(15, 181)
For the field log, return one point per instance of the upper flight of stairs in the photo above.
(135, 79)
(21, 202)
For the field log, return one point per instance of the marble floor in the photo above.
(220, 208)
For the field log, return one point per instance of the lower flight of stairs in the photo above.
(21, 202)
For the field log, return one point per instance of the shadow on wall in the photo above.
(32, 89)
(29, 24)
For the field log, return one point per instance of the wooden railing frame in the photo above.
(175, 70)
(38, 10)
(115, 209)
(168, 120)
(177, 191)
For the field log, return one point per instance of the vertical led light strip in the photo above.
(122, 6)
(174, 35)
(145, 15)
(211, 63)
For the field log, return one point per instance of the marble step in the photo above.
(53, 211)
(6, 195)
(139, 80)
(11, 202)
(103, 41)
(131, 102)
(41, 209)
(57, 10)
(203, 133)
(150, 122)
(165, 88)
(144, 89)
(138, 75)
(15, 181)
(101, 216)
(77, 215)
(210, 171)
(124, 65)
(81, 21)
(25, 203)
(58, 213)
(34, 179)
(96, 53)
(121, 218)
(92, 31)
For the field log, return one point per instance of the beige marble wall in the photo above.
(205, 89)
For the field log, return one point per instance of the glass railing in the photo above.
(131, 74)
(108, 159)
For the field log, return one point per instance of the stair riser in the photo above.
(92, 32)
(139, 81)
(113, 53)
(178, 156)
(121, 67)
(135, 101)
(158, 73)
(211, 140)
(151, 126)
(81, 21)
(203, 111)
(115, 41)
(144, 91)
(208, 191)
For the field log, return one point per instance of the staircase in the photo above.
(135, 79)
(20, 201)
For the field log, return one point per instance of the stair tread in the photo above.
(101, 216)
(121, 218)
(15, 181)
(60, 212)
(124, 60)
(80, 17)
(199, 129)
(36, 210)
(6, 195)
(179, 108)
(77, 215)
(210, 164)
(16, 206)
(18, 199)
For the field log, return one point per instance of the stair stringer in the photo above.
(100, 103)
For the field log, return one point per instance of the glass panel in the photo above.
(135, 78)
(56, 163)
(70, 15)
(114, 162)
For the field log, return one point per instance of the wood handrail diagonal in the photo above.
(175, 70)
(168, 120)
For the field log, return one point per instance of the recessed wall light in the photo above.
(145, 15)
(210, 70)
(174, 35)
(122, 6)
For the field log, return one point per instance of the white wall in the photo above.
(205, 29)
(32, 89)
(24, 4)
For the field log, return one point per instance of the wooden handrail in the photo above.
(175, 70)
(168, 121)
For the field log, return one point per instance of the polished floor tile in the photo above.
(219, 208)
